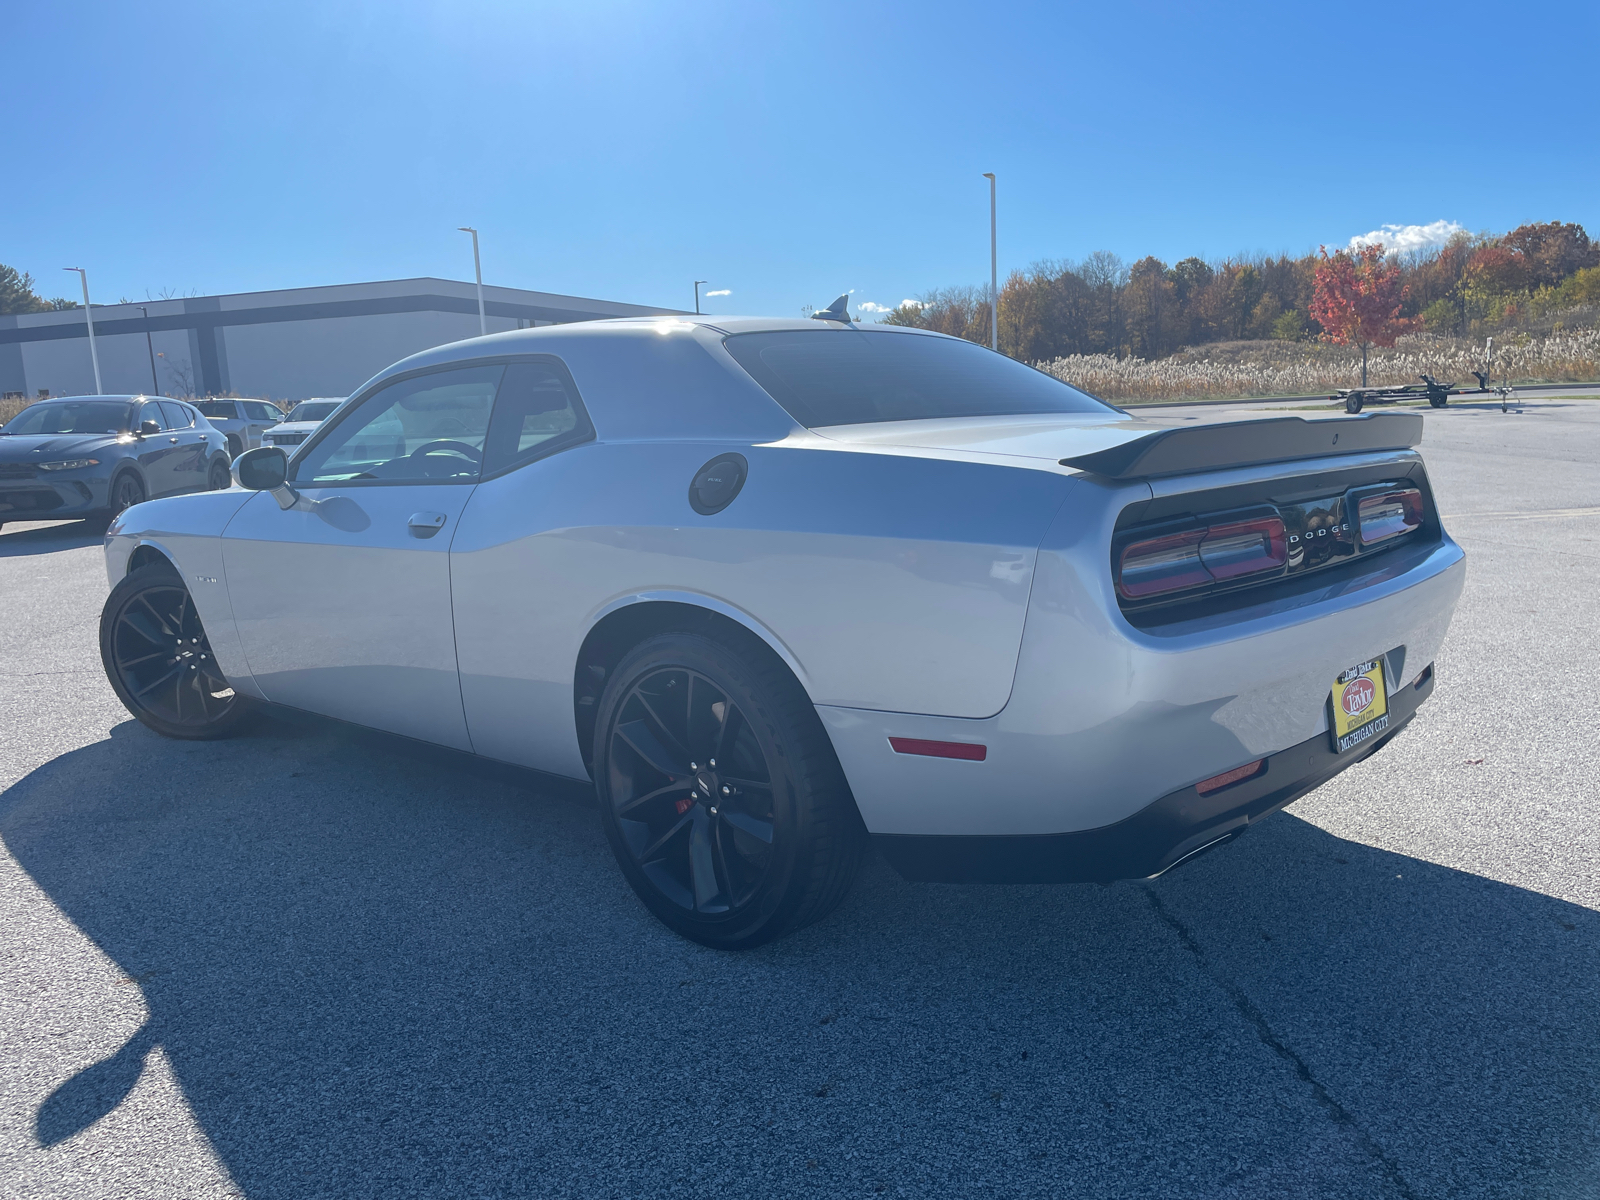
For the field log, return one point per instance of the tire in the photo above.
(730, 856)
(159, 661)
(1438, 401)
(126, 490)
(1353, 404)
(235, 447)
(218, 477)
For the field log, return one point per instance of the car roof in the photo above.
(638, 380)
(80, 399)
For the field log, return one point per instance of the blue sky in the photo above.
(783, 152)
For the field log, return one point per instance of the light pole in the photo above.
(477, 266)
(155, 385)
(994, 273)
(94, 355)
(697, 284)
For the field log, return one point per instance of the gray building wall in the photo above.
(284, 345)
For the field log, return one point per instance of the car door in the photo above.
(259, 417)
(159, 453)
(189, 461)
(342, 601)
(515, 646)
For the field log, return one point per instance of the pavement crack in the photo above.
(1247, 1009)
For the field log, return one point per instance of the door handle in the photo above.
(426, 524)
(174, 441)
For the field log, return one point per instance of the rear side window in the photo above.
(535, 413)
(176, 416)
(838, 376)
(221, 409)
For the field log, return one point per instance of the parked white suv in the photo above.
(302, 421)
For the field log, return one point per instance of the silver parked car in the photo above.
(93, 456)
(777, 585)
(242, 422)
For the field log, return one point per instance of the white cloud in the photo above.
(869, 306)
(722, 292)
(1402, 239)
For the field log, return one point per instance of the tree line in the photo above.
(1150, 310)
(17, 294)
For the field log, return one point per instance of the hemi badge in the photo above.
(205, 578)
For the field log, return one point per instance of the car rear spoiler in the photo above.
(1216, 447)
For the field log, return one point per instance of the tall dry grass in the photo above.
(1239, 369)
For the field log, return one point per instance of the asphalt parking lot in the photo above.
(314, 962)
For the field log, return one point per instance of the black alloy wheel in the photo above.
(159, 661)
(720, 792)
(219, 478)
(126, 491)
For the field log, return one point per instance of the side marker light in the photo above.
(970, 751)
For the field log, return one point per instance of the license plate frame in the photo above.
(1358, 705)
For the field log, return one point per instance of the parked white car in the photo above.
(302, 421)
(774, 584)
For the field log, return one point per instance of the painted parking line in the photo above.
(1551, 514)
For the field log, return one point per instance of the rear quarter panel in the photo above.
(894, 582)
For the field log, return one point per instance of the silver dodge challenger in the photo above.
(784, 589)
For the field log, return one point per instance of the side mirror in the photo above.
(147, 428)
(261, 469)
(266, 469)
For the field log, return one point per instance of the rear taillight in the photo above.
(1159, 565)
(1244, 548)
(1389, 515)
(1177, 562)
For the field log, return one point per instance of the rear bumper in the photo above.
(1173, 829)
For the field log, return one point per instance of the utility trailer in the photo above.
(1437, 394)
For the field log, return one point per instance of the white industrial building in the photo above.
(286, 345)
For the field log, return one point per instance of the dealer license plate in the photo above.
(1360, 705)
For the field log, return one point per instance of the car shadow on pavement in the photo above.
(17, 541)
(376, 974)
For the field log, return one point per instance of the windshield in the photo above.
(852, 376)
(312, 410)
(80, 416)
(216, 408)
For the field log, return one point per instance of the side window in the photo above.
(534, 414)
(261, 411)
(174, 416)
(150, 411)
(428, 428)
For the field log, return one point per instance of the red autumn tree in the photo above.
(1357, 298)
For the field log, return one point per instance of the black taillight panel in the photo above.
(1177, 555)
